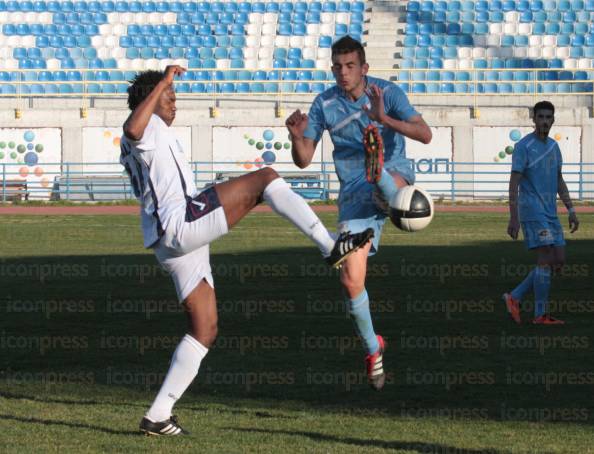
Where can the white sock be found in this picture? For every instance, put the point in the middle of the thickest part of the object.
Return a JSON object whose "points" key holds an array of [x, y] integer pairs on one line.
{"points": [[292, 207], [184, 367]]}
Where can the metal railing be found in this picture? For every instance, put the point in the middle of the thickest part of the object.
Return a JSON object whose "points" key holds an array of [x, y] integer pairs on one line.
{"points": [[446, 180], [210, 82]]}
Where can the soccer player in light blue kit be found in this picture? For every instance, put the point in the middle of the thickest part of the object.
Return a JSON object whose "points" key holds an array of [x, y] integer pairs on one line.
{"points": [[536, 172], [345, 111]]}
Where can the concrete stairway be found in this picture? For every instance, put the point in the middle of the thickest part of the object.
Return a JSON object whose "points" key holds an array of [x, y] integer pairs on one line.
{"points": [[384, 35]]}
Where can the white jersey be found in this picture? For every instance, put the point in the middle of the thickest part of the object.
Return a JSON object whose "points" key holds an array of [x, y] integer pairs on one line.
{"points": [[160, 176]]}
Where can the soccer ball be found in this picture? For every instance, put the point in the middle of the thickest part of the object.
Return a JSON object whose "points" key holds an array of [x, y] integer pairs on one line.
{"points": [[412, 209]]}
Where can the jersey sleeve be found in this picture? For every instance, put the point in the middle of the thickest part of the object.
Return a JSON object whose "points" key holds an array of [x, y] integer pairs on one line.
{"points": [[519, 158], [315, 121], [397, 103], [148, 140]]}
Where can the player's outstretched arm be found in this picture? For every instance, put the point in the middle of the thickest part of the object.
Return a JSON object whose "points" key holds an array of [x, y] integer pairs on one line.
{"points": [[414, 128], [564, 196], [138, 120], [513, 227], [302, 149]]}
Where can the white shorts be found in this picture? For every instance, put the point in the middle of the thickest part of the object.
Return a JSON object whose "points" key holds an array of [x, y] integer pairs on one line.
{"points": [[183, 250]]}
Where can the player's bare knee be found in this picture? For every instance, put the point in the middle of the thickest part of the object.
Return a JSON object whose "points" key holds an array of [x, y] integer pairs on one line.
{"points": [[352, 284], [268, 174], [206, 334]]}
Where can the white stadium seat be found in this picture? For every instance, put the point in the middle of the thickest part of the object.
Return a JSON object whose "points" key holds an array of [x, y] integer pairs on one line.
{"points": [[252, 41], [343, 18], [270, 18], [255, 18], [548, 52], [464, 52], [267, 41], [296, 41], [223, 63], [493, 40], [450, 63], [534, 52], [265, 53], [281, 41], [169, 18], [510, 29], [535, 40], [310, 41], [313, 29], [570, 63], [525, 29], [327, 18], [520, 52], [549, 40], [496, 28], [124, 63], [262, 64], [251, 64], [309, 53], [155, 18], [512, 17], [562, 52]]}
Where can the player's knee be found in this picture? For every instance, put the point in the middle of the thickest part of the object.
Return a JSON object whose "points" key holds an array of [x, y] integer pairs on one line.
{"points": [[268, 174], [207, 334], [352, 283]]}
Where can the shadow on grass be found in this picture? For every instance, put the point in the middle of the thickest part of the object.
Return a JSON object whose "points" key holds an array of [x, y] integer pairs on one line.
{"points": [[416, 446], [74, 425], [117, 318]]}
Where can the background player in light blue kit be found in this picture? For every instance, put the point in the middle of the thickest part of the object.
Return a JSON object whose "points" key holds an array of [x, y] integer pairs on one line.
{"points": [[536, 172], [345, 111]]}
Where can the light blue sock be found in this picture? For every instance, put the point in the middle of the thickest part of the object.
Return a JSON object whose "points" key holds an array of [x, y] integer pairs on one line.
{"points": [[542, 284], [387, 186], [525, 286], [359, 312]]}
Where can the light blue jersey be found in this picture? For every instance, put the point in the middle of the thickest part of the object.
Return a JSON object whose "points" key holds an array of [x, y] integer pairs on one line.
{"points": [[345, 120], [540, 164]]}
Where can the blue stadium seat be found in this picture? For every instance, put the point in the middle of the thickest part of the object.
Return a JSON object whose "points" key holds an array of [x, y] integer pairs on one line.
{"points": [[419, 88], [538, 28], [257, 87], [447, 87], [418, 76], [273, 87], [563, 40], [433, 76], [438, 41], [487, 88], [509, 5], [563, 5], [547, 88], [410, 41], [567, 28]]}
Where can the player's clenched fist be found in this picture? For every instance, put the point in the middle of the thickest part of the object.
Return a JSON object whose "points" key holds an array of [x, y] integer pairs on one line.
{"points": [[296, 123], [171, 71]]}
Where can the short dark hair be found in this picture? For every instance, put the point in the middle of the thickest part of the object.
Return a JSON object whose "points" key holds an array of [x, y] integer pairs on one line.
{"points": [[543, 105], [346, 45], [142, 85]]}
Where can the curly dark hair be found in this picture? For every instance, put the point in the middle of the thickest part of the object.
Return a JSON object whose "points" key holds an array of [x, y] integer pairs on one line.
{"points": [[346, 45], [142, 85]]}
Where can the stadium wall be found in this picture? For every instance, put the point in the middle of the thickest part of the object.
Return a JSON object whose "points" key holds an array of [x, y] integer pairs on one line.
{"points": [[466, 139]]}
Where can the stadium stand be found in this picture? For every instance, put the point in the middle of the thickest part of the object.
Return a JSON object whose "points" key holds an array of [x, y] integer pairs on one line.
{"points": [[67, 48]]}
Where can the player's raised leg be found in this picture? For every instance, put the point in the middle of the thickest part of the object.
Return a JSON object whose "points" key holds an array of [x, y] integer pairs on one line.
{"points": [[240, 195], [352, 278], [200, 307]]}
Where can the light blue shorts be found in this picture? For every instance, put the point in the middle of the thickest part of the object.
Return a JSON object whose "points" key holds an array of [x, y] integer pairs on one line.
{"points": [[359, 225], [543, 233]]}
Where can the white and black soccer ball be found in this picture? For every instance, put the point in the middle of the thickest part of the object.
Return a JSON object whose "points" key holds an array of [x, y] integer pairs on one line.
{"points": [[411, 209]]}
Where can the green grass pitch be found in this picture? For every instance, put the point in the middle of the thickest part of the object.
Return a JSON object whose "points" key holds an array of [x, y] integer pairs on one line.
{"points": [[88, 323]]}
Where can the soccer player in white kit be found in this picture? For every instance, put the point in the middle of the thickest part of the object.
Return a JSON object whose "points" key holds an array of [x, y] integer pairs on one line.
{"points": [[179, 222]]}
